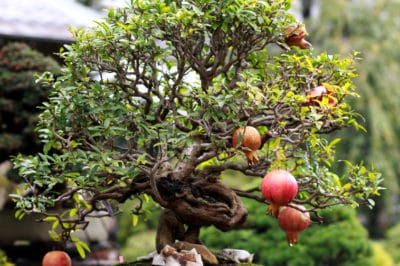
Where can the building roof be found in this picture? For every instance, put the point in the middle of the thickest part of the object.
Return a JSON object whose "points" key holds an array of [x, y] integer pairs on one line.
{"points": [[44, 19]]}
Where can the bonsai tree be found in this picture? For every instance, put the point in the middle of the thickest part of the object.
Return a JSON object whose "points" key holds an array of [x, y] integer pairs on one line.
{"points": [[147, 106]]}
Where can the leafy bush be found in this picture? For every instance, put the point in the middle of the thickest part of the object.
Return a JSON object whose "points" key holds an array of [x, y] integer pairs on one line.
{"points": [[3, 259], [19, 97], [340, 240], [392, 243], [381, 255]]}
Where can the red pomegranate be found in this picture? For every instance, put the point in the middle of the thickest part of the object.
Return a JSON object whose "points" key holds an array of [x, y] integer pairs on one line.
{"points": [[315, 95], [293, 221], [279, 188], [56, 258], [249, 139]]}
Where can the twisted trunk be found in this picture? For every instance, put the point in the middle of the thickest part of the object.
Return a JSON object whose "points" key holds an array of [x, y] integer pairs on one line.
{"points": [[203, 203]]}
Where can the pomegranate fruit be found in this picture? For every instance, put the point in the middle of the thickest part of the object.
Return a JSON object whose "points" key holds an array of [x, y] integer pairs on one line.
{"points": [[293, 221], [56, 258], [315, 96], [249, 139], [295, 37], [279, 188]]}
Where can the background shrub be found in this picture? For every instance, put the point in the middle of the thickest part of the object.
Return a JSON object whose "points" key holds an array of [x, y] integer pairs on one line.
{"points": [[20, 96], [340, 240]]}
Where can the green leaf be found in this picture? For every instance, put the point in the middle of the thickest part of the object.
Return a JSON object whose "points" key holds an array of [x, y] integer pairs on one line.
{"points": [[135, 219], [81, 246], [111, 12], [107, 123], [146, 197], [55, 224], [47, 147], [73, 212], [54, 236], [19, 214]]}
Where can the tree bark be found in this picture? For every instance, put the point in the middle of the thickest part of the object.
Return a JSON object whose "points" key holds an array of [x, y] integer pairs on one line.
{"points": [[196, 204]]}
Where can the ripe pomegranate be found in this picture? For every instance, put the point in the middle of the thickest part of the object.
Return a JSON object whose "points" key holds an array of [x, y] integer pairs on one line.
{"points": [[249, 139], [295, 37], [315, 95], [293, 221], [56, 258], [279, 188]]}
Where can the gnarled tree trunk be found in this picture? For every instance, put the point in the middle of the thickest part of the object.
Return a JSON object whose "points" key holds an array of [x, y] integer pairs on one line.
{"points": [[196, 204]]}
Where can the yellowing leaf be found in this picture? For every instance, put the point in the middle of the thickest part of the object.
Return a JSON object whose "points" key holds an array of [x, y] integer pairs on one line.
{"points": [[280, 155]]}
